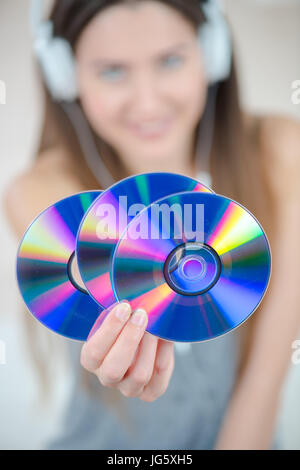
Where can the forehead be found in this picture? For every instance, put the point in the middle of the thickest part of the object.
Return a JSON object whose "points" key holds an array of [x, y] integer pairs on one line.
{"points": [[135, 29]]}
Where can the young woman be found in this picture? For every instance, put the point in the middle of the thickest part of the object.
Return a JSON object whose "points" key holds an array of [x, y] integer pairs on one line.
{"points": [[143, 89]]}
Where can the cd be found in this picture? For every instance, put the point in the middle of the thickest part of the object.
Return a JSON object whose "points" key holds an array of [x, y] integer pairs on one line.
{"points": [[198, 263], [109, 216], [45, 269]]}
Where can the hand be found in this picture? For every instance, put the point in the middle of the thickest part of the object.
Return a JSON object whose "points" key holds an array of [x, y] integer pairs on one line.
{"points": [[122, 355]]}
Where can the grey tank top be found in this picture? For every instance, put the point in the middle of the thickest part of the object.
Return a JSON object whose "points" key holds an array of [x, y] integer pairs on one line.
{"points": [[187, 416]]}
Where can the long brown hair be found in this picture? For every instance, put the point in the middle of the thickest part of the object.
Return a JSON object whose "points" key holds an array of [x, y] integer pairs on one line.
{"points": [[236, 165]]}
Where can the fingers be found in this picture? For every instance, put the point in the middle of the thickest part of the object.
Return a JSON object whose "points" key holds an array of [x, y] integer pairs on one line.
{"points": [[124, 356], [99, 344], [163, 369], [140, 372], [121, 354]]}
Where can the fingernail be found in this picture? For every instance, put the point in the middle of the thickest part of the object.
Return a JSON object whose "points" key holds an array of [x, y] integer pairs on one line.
{"points": [[123, 311], [139, 317]]}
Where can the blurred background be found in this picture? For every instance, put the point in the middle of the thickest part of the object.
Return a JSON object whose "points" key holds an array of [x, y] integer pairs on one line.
{"points": [[267, 43]]}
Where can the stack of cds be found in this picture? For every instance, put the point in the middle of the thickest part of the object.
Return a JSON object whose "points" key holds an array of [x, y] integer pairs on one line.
{"points": [[198, 263]]}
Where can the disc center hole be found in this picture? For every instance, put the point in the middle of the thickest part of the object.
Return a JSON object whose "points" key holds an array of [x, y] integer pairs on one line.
{"points": [[74, 274], [193, 267]]}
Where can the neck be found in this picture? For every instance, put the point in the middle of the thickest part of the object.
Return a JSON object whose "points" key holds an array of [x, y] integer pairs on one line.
{"points": [[169, 165], [182, 161]]}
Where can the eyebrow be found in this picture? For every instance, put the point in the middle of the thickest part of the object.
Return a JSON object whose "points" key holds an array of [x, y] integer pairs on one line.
{"points": [[117, 62]]}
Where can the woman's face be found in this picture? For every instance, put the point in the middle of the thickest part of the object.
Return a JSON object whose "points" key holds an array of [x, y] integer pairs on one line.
{"points": [[141, 80]]}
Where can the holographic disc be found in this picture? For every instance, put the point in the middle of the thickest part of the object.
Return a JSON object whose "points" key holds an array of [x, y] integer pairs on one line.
{"points": [[109, 216], [198, 272], [44, 269]]}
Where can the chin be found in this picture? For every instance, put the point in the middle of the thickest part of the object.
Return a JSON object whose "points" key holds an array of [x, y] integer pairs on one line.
{"points": [[154, 158], [155, 149]]}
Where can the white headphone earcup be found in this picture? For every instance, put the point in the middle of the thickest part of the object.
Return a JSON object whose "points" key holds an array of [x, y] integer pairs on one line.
{"points": [[57, 61], [214, 39]]}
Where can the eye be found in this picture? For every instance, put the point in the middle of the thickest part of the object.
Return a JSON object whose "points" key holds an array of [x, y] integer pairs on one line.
{"points": [[172, 61], [113, 74]]}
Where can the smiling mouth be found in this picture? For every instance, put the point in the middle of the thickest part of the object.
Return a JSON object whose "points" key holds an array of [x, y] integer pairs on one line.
{"points": [[151, 129]]}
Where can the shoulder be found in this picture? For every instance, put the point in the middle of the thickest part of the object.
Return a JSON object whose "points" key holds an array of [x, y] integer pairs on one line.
{"points": [[48, 179], [49, 163], [280, 137], [277, 135], [53, 159], [278, 145]]}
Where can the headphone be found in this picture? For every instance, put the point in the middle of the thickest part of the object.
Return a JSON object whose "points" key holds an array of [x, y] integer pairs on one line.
{"points": [[57, 62]]}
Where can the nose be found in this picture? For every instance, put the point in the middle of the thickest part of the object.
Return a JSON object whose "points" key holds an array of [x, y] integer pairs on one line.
{"points": [[146, 96]]}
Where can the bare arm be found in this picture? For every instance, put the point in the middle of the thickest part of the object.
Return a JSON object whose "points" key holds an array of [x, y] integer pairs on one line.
{"points": [[252, 412]]}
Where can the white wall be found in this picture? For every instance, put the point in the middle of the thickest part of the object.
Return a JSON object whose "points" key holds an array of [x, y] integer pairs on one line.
{"points": [[268, 47], [267, 43]]}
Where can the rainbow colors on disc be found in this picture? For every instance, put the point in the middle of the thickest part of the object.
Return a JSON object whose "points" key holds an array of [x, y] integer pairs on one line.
{"points": [[198, 273], [109, 216], [44, 269]]}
